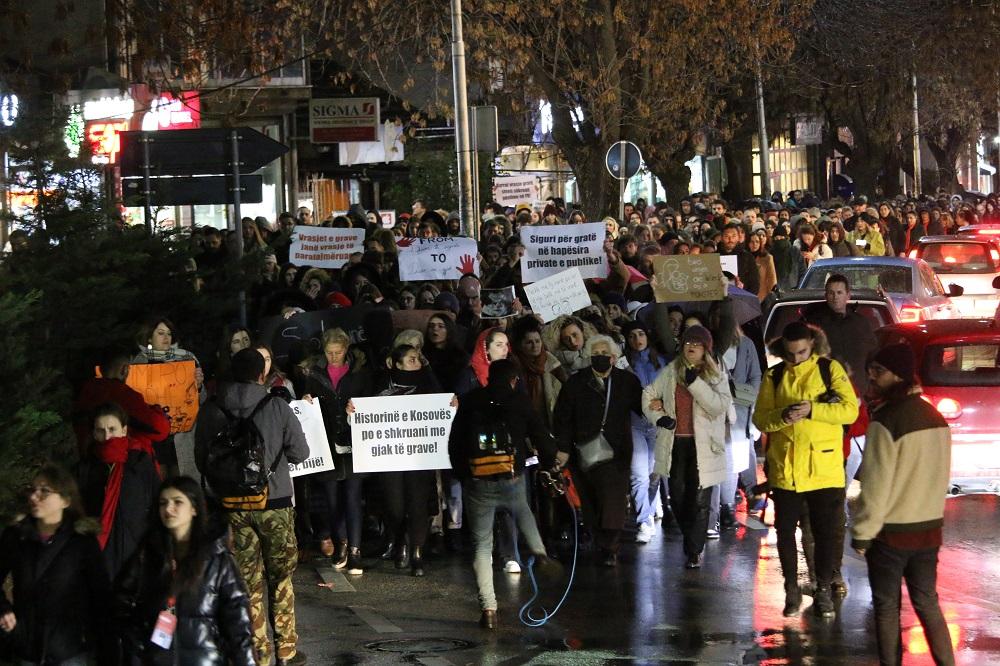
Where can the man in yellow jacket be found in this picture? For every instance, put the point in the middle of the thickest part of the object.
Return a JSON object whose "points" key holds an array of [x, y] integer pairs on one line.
{"points": [[803, 405]]}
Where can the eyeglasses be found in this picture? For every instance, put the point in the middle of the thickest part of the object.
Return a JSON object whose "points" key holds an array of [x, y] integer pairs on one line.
{"points": [[693, 345], [43, 491]]}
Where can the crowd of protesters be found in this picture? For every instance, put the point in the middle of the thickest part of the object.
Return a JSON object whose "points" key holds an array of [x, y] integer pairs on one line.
{"points": [[643, 403]]}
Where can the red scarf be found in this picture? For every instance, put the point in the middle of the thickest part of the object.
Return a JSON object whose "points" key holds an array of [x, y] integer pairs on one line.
{"points": [[114, 452]]}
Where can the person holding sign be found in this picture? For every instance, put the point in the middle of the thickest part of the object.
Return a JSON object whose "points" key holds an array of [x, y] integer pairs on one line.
{"points": [[689, 402], [488, 448], [592, 421], [407, 495], [336, 378], [181, 598]]}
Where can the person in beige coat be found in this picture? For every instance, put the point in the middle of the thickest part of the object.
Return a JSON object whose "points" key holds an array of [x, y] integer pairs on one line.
{"points": [[689, 401]]}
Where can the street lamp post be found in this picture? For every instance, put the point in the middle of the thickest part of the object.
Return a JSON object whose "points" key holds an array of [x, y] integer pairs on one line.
{"points": [[462, 143]]}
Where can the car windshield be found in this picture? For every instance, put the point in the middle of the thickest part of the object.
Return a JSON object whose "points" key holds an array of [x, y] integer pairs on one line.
{"points": [[958, 257], [895, 279], [785, 313], [961, 365]]}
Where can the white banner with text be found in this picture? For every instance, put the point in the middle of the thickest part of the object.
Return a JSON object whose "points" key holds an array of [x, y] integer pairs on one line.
{"points": [[554, 248], [401, 433]]}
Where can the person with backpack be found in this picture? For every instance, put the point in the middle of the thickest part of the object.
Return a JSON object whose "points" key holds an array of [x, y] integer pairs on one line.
{"points": [[245, 439], [488, 447], [803, 405]]}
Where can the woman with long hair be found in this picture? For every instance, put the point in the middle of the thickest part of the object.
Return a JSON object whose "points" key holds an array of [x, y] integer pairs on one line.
{"points": [[811, 245], [689, 402], [184, 575], [442, 350], [756, 244], [60, 590], [837, 240]]}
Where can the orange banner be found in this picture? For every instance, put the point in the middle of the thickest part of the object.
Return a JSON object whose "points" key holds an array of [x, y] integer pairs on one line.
{"points": [[171, 386]]}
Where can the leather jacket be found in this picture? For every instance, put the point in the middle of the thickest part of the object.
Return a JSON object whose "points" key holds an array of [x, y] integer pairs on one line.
{"points": [[213, 618]]}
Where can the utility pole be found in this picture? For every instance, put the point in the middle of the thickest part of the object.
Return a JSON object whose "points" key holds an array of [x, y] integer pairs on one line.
{"points": [[765, 147], [462, 143], [917, 187]]}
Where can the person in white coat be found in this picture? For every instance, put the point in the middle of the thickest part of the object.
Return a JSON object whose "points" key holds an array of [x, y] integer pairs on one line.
{"points": [[689, 401]]}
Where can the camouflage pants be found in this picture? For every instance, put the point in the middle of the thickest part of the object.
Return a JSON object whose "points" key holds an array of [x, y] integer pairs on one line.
{"points": [[266, 552]]}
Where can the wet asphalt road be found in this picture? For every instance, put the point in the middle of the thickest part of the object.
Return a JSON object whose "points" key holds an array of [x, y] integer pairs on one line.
{"points": [[649, 610]]}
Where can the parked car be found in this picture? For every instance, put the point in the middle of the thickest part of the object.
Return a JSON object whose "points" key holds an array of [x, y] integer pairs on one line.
{"points": [[910, 283], [877, 307], [958, 365], [970, 261]]}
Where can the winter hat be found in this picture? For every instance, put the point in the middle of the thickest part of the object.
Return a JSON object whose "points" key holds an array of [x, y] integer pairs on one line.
{"points": [[339, 299], [447, 301], [614, 299], [630, 326], [757, 226], [897, 359], [698, 334]]}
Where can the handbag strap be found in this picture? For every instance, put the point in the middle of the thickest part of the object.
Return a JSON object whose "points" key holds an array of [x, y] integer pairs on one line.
{"points": [[607, 401]]}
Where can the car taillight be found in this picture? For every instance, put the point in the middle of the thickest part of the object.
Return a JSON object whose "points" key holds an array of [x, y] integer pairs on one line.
{"points": [[996, 255], [910, 315], [913, 254], [949, 408]]}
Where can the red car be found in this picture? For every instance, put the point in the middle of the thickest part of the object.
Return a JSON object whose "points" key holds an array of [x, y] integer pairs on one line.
{"points": [[958, 365]]}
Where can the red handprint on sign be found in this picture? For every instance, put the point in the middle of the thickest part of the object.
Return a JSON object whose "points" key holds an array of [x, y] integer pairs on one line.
{"points": [[405, 242], [468, 264]]}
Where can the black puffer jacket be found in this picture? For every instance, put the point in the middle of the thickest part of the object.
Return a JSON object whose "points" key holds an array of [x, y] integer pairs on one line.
{"points": [[61, 592], [357, 383], [213, 620]]}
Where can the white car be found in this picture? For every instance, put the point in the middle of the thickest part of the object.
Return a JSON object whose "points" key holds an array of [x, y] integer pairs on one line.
{"points": [[970, 261]]}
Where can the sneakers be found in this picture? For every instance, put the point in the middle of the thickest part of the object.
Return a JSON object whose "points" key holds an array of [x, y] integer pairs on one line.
{"points": [[512, 567], [793, 601], [645, 533], [298, 659], [340, 556], [354, 567], [712, 532], [822, 603]]}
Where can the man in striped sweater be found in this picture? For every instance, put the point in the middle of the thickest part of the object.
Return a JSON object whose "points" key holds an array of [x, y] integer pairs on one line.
{"points": [[897, 526]]}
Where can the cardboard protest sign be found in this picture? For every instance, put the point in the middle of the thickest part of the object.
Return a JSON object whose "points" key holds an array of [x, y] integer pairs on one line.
{"points": [[301, 335], [172, 387], [561, 294], [325, 247], [401, 433], [512, 190], [320, 458], [445, 258], [497, 303], [687, 277], [552, 249], [415, 319]]}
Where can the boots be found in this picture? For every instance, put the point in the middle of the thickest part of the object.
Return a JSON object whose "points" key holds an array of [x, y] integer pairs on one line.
{"points": [[340, 556], [822, 602], [793, 600], [417, 561], [726, 517], [401, 556]]}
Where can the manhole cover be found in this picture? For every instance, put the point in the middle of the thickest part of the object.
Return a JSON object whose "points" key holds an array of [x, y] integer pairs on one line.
{"points": [[418, 645]]}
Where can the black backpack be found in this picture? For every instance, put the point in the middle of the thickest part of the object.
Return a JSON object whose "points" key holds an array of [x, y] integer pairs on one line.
{"points": [[778, 371], [492, 453], [236, 463]]}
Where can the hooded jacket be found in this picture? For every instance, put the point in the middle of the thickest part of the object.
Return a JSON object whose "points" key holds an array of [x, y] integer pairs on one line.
{"points": [[278, 425], [60, 591], [213, 620], [807, 455]]}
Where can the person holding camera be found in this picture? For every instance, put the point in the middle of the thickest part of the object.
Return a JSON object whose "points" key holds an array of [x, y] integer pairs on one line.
{"points": [[803, 406]]}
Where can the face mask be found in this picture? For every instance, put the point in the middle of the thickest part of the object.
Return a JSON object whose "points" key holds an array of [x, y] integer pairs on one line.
{"points": [[600, 364]]}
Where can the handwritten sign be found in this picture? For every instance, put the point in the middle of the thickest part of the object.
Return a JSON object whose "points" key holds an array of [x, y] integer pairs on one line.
{"points": [[325, 247], [693, 277], [320, 458], [449, 258], [512, 190], [301, 335], [552, 249], [401, 433], [561, 294], [172, 387]]}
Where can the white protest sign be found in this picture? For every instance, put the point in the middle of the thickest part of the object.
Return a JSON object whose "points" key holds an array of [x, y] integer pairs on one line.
{"points": [[730, 263], [552, 249], [401, 433], [512, 190], [320, 459], [560, 294], [325, 247], [448, 258]]}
